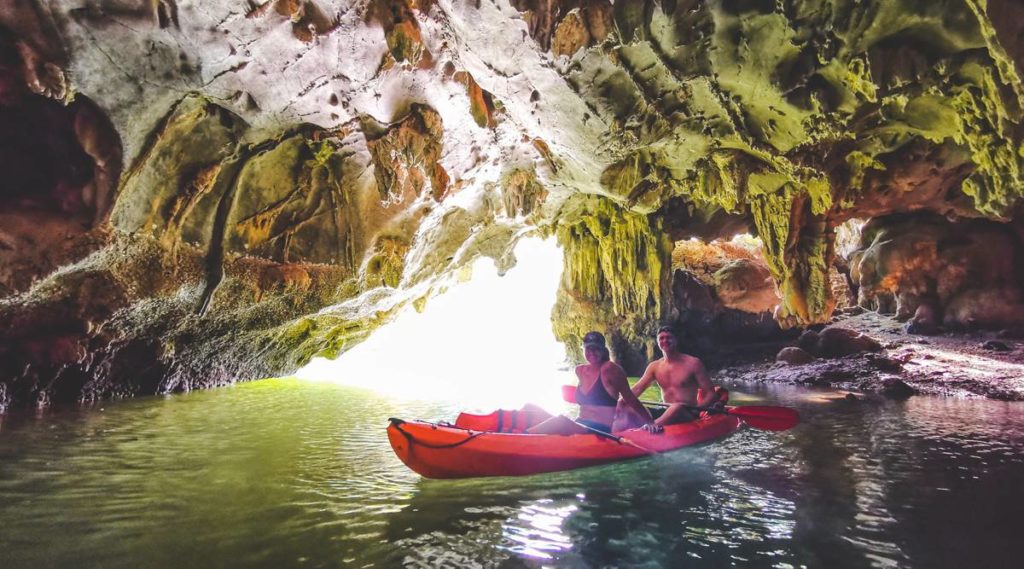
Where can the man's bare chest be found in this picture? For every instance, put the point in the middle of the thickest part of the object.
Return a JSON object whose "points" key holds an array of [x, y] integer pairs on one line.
{"points": [[675, 376]]}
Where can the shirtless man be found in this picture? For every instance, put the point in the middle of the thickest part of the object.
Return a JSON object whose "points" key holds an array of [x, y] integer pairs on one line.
{"points": [[679, 376]]}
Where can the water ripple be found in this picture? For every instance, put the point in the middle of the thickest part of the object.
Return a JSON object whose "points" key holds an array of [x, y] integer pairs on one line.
{"points": [[285, 473]]}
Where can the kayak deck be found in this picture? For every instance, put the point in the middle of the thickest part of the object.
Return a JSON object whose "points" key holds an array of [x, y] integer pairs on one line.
{"points": [[449, 451]]}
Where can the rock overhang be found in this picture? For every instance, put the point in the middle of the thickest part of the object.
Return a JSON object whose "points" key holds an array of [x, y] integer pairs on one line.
{"points": [[618, 127]]}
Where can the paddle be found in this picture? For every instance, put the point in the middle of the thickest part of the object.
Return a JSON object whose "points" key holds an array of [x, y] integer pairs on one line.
{"points": [[765, 417], [620, 440]]}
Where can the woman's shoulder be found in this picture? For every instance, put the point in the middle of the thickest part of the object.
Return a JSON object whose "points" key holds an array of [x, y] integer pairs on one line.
{"points": [[612, 367]]}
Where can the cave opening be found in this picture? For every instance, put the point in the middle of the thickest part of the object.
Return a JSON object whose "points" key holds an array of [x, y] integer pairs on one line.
{"points": [[57, 158], [60, 162], [723, 295], [486, 341]]}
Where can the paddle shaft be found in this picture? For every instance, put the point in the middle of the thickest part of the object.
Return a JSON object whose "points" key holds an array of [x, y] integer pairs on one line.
{"points": [[620, 440], [765, 417], [667, 405]]}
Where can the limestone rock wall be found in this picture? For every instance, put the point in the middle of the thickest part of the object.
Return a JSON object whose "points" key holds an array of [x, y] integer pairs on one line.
{"points": [[961, 274], [722, 294], [614, 279], [233, 168]]}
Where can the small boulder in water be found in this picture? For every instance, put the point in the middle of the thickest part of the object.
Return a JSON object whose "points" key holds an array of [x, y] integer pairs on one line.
{"points": [[925, 321], [836, 342], [794, 356], [995, 346], [896, 389], [808, 341]]}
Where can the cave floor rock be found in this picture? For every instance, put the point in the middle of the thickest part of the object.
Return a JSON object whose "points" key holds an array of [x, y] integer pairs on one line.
{"points": [[969, 364]]}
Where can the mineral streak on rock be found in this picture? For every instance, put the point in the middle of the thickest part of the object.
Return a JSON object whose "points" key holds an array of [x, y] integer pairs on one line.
{"points": [[281, 156], [522, 193], [481, 102], [407, 156]]}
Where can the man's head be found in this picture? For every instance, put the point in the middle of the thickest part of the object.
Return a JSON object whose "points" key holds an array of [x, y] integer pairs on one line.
{"points": [[667, 340], [594, 347]]}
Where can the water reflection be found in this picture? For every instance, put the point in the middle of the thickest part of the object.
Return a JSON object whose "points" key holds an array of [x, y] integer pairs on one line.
{"points": [[285, 473], [536, 531]]}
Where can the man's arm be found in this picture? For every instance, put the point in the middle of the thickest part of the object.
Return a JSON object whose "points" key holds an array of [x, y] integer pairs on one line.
{"points": [[674, 410], [707, 389], [645, 381]]}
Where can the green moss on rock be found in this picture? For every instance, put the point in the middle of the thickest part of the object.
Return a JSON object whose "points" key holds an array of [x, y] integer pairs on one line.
{"points": [[781, 112], [615, 268], [166, 181]]}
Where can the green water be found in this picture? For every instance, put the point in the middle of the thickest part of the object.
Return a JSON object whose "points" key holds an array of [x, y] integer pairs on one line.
{"points": [[284, 473]]}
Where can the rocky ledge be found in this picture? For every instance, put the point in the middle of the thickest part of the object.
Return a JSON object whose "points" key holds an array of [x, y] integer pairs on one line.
{"points": [[872, 353]]}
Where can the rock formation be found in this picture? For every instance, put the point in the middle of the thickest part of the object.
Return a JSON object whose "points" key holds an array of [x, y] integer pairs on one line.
{"points": [[188, 186], [964, 274]]}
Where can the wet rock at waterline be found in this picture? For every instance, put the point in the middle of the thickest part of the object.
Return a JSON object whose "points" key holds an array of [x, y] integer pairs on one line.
{"points": [[191, 209], [947, 364], [896, 389], [794, 356], [996, 346], [837, 342]]}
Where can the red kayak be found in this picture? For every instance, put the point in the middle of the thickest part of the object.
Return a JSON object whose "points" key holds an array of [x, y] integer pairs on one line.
{"points": [[495, 445]]}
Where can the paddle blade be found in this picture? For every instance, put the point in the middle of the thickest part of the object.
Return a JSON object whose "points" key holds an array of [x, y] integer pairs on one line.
{"points": [[569, 393], [767, 417]]}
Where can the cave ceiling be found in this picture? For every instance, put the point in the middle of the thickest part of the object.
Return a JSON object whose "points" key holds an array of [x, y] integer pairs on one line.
{"points": [[491, 119]]}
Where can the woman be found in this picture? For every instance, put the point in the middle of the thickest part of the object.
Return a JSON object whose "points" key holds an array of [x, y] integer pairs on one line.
{"points": [[601, 383]]}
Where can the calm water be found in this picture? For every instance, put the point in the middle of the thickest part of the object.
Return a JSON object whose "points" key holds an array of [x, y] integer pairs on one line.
{"points": [[287, 473]]}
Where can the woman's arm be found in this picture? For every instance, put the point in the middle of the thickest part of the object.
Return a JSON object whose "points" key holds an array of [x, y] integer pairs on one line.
{"points": [[618, 383]]}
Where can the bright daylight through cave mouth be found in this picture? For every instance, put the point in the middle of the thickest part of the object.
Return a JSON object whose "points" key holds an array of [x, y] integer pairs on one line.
{"points": [[484, 343], [511, 283]]}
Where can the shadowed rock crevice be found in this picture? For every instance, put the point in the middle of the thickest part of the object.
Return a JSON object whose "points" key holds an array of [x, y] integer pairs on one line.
{"points": [[934, 272], [60, 162]]}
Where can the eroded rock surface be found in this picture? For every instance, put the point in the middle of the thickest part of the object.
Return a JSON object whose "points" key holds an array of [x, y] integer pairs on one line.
{"points": [[722, 294], [922, 267], [233, 168]]}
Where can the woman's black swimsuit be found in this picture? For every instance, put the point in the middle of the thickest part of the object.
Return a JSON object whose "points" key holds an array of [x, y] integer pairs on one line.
{"points": [[598, 396]]}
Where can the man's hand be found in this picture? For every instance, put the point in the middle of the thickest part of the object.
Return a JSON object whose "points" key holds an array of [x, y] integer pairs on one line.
{"points": [[653, 428]]}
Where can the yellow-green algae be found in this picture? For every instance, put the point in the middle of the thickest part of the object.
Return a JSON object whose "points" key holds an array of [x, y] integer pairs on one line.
{"points": [[615, 272], [521, 193], [385, 266], [781, 111]]}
